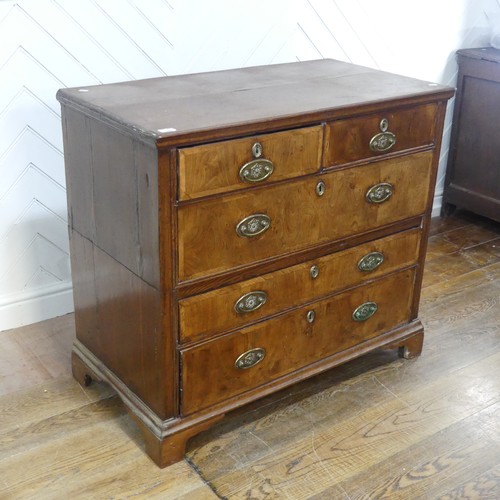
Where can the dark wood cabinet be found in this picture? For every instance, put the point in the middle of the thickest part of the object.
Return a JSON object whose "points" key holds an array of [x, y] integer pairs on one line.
{"points": [[235, 232], [473, 174]]}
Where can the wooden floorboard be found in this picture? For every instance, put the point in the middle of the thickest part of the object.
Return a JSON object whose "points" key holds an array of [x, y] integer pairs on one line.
{"points": [[377, 427]]}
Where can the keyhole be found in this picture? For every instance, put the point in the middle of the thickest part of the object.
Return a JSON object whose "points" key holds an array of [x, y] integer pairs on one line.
{"points": [[314, 272], [257, 150], [320, 188], [311, 315]]}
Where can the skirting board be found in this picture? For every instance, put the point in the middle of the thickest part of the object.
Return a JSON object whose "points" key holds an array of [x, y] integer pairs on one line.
{"points": [[437, 204], [32, 306]]}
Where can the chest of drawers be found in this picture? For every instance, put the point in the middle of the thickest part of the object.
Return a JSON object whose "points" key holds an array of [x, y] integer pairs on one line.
{"points": [[235, 232]]}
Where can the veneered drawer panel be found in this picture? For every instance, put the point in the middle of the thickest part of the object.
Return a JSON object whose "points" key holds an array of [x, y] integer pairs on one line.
{"points": [[214, 312], [291, 342], [299, 218], [215, 168], [349, 140]]}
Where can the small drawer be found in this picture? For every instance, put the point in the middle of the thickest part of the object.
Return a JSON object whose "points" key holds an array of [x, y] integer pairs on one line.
{"points": [[216, 235], [229, 165], [365, 137], [228, 366], [234, 306]]}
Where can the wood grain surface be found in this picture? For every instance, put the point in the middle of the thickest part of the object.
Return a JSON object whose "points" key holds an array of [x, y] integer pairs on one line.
{"points": [[214, 168], [209, 244], [200, 105], [376, 427], [291, 342], [206, 314], [349, 140]]}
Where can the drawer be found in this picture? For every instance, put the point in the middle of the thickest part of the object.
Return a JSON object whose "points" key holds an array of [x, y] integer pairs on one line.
{"points": [[204, 315], [296, 216], [369, 136], [292, 341], [235, 164]]}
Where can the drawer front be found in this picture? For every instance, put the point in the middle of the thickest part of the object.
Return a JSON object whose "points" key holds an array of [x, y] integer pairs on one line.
{"points": [[240, 163], [279, 346], [366, 137], [234, 306], [292, 216]]}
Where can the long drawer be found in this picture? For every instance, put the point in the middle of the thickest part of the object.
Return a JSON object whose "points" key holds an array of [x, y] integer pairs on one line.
{"points": [[207, 314], [222, 233], [266, 351]]}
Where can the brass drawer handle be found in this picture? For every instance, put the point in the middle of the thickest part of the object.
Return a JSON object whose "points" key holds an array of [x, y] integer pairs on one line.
{"points": [[250, 302], [250, 358], [384, 140], [258, 169], [370, 261], [364, 311], [253, 225], [379, 193]]}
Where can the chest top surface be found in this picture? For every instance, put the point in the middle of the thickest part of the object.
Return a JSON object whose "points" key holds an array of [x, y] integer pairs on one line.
{"points": [[179, 108]]}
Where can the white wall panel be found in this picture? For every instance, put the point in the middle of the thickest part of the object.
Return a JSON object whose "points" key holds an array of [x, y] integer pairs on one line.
{"points": [[48, 44], [20, 30], [20, 155], [345, 27]]}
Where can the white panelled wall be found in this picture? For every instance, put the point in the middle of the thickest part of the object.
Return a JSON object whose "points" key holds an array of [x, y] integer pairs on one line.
{"points": [[49, 44]]}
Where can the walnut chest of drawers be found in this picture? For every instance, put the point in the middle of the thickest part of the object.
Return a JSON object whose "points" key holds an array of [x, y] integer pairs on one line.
{"points": [[238, 231]]}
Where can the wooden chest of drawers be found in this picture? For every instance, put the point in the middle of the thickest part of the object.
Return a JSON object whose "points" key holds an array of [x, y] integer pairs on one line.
{"points": [[235, 232]]}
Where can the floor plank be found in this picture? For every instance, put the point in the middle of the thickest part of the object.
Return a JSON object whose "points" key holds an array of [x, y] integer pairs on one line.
{"points": [[427, 468], [334, 449], [42, 401], [101, 461]]}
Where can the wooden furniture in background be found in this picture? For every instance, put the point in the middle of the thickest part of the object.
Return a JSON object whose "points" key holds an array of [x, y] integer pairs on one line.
{"points": [[235, 232], [473, 174]]}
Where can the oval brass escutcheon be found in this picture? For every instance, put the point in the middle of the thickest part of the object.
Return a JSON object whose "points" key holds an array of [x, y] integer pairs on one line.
{"points": [[314, 272], [379, 193], [250, 358], [310, 316], [383, 141], [320, 188], [251, 301], [370, 261], [253, 225], [256, 170], [364, 311]]}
